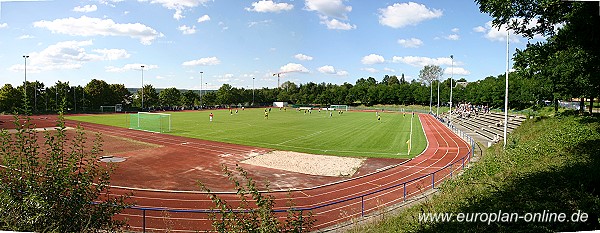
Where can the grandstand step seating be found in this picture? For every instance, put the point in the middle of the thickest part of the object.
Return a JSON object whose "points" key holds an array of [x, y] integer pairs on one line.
{"points": [[486, 127]]}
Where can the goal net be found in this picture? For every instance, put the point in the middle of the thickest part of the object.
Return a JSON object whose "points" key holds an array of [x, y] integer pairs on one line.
{"points": [[112, 108], [153, 122], [339, 107]]}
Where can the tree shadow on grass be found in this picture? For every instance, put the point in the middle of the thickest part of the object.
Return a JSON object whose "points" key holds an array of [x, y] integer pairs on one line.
{"points": [[568, 189]]}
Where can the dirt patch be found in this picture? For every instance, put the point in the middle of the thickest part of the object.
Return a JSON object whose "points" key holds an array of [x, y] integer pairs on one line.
{"points": [[320, 165]]}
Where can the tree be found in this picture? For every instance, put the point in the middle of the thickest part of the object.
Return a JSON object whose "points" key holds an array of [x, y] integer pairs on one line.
{"points": [[573, 42], [150, 97], [428, 74], [224, 95], [170, 97], [120, 94], [98, 93], [9, 98], [56, 186], [190, 98]]}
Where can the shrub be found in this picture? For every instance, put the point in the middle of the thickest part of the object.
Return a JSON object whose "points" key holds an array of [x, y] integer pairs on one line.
{"points": [[59, 186], [256, 216]]}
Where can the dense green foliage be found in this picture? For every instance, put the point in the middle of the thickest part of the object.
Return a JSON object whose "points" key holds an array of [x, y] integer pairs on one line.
{"points": [[55, 186], [346, 134], [567, 64], [549, 165], [255, 215], [391, 90]]}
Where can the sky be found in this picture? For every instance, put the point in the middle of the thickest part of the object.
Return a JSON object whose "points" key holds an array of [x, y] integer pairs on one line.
{"points": [[186, 43]]}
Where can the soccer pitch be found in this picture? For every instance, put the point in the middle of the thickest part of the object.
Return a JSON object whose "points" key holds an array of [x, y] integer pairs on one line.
{"points": [[356, 134]]}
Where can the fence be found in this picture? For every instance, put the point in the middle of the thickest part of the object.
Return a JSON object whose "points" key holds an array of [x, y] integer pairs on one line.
{"points": [[329, 213]]}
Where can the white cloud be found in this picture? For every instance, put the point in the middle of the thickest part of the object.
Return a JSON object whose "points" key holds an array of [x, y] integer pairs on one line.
{"points": [[3, 25], [187, 30], [254, 23], [203, 18], [423, 61], [370, 70], [206, 61], [389, 69], [452, 37], [112, 54], [479, 29], [86, 26], [270, 6], [25, 37], [495, 34], [331, 70], [68, 55], [130, 67], [404, 14], [372, 59], [455, 30], [178, 5], [336, 24], [330, 11], [293, 67], [329, 8], [85, 9], [410, 43], [456, 71], [303, 57]]}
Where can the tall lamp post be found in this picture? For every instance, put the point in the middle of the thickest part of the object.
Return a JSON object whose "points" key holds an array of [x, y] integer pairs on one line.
{"points": [[451, 87], [506, 90], [25, 85], [142, 88], [201, 72], [252, 91], [437, 111]]}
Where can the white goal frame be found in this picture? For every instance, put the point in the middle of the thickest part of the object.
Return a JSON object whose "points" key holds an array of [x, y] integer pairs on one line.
{"points": [[168, 127], [339, 107], [114, 107]]}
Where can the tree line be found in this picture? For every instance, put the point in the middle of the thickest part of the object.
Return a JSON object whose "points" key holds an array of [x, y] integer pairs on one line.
{"points": [[523, 93]]}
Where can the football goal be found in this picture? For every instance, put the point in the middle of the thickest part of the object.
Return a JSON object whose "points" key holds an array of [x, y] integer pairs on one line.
{"points": [[339, 107], [153, 122], [112, 108]]}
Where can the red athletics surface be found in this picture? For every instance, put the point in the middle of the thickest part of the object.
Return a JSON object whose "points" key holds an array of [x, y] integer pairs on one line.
{"points": [[175, 163]]}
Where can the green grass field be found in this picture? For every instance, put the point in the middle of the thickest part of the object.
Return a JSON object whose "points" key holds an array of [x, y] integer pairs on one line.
{"points": [[356, 134]]}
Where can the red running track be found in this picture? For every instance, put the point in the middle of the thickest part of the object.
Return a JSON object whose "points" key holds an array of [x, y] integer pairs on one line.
{"points": [[177, 211]]}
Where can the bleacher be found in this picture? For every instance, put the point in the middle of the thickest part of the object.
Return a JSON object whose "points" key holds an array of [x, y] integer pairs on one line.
{"points": [[488, 128]]}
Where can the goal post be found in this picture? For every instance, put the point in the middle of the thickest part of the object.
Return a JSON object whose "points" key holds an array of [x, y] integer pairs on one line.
{"points": [[153, 122], [339, 107], [110, 108]]}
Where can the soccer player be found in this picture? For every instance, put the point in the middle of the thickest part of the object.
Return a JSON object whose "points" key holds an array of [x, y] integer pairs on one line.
{"points": [[379, 118], [210, 116], [266, 115]]}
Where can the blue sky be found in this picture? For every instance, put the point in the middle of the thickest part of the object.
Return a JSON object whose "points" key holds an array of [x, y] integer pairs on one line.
{"points": [[332, 41]]}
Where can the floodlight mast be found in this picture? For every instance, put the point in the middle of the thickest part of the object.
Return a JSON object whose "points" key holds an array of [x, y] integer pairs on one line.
{"points": [[278, 74]]}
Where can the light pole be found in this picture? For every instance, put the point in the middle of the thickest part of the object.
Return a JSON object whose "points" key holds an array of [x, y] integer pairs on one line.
{"points": [[451, 87], [142, 88], [437, 111], [430, 95], [25, 85], [506, 91], [201, 72], [35, 97], [253, 92]]}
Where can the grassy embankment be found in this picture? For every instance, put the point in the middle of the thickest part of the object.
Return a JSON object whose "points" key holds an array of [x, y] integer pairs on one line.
{"points": [[550, 165]]}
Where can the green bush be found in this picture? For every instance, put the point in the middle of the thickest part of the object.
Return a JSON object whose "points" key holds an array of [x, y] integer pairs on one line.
{"points": [[256, 215], [57, 186]]}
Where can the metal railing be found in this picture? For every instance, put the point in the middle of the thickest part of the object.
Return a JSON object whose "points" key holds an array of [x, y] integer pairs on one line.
{"points": [[366, 199]]}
